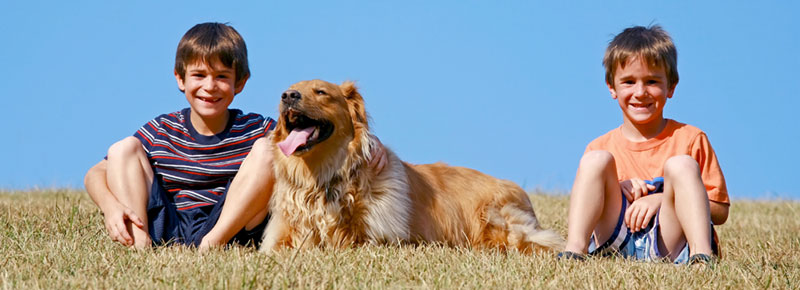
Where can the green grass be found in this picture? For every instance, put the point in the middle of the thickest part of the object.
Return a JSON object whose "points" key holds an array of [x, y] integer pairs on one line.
{"points": [[56, 239]]}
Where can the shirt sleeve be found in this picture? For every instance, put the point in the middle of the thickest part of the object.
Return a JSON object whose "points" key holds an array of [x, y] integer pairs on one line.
{"points": [[269, 125], [710, 170], [146, 134]]}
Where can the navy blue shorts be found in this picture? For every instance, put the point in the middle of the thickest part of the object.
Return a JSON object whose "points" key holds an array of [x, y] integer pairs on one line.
{"points": [[167, 226]]}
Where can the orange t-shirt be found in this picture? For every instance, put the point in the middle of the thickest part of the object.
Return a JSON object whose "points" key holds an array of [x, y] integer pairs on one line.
{"points": [[645, 160]]}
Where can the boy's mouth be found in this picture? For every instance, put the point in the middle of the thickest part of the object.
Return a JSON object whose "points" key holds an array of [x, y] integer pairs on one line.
{"points": [[210, 100]]}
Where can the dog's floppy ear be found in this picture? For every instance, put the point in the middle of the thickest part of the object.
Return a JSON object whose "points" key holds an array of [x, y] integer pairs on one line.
{"points": [[355, 103]]}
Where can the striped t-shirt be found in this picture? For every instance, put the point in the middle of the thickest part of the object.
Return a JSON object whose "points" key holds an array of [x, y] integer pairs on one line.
{"points": [[195, 169]]}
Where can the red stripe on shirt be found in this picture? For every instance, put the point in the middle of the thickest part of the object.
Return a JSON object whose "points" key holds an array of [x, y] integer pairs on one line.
{"points": [[176, 130], [245, 127], [193, 206], [220, 146]]}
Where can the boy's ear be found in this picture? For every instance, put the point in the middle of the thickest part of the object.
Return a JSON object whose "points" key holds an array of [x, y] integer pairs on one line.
{"points": [[239, 86], [612, 91], [671, 90], [179, 79]]}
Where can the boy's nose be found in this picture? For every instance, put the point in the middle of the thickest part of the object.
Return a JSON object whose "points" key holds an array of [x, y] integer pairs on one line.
{"points": [[290, 97], [639, 91], [209, 84]]}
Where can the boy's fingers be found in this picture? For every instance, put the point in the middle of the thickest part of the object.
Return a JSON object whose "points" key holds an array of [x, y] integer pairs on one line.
{"points": [[111, 229], [375, 156], [644, 220], [628, 217], [123, 232], [378, 153], [640, 188], [112, 234], [635, 219], [640, 220], [120, 233], [648, 216], [115, 236], [382, 163], [134, 218], [627, 195]]}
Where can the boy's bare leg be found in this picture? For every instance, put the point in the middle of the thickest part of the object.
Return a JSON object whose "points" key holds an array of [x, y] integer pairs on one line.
{"points": [[595, 201], [247, 198], [130, 178], [684, 215]]}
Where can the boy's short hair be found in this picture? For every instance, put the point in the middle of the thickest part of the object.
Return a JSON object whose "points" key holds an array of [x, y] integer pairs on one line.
{"points": [[211, 41], [652, 43]]}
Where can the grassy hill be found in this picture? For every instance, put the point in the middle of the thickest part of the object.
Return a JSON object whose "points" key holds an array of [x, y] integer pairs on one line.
{"points": [[56, 239]]}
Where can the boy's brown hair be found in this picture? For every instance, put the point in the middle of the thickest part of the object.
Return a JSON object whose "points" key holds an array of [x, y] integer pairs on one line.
{"points": [[213, 41], [652, 43]]}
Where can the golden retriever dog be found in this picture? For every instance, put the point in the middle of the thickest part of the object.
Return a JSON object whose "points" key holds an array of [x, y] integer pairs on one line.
{"points": [[327, 195]]}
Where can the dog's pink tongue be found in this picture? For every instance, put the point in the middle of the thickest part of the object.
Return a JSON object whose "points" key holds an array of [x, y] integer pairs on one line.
{"points": [[296, 138]]}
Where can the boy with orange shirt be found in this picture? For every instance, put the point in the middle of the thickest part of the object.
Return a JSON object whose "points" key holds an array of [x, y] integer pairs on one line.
{"points": [[651, 188]]}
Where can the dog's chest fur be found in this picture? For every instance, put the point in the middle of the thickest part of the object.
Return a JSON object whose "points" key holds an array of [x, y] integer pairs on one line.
{"points": [[355, 209]]}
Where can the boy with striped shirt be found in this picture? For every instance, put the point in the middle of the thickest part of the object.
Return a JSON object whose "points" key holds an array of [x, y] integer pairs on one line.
{"points": [[173, 181]]}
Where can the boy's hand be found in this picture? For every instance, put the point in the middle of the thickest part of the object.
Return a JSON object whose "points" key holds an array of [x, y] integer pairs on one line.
{"points": [[378, 154], [635, 188], [117, 218], [639, 213]]}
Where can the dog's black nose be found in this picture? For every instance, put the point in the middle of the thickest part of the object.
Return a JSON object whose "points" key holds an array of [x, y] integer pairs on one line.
{"points": [[290, 96]]}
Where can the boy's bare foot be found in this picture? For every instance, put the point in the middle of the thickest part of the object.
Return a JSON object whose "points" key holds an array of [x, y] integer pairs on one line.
{"points": [[208, 243]]}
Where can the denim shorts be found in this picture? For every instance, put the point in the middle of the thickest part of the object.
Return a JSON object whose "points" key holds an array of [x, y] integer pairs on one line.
{"points": [[169, 227], [641, 245]]}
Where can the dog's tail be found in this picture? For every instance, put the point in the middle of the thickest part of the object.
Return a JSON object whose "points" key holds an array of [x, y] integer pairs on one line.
{"points": [[544, 239], [524, 232]]}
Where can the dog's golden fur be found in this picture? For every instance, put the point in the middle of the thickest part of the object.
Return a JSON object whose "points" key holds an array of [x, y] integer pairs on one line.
{"points": [[328, 195]]}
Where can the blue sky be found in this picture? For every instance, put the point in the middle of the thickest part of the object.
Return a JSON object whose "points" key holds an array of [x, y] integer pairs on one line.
{"points": [[512, 88]]}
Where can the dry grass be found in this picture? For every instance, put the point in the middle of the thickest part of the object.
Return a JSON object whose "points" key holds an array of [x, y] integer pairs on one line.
{"points": [[55, 239]]}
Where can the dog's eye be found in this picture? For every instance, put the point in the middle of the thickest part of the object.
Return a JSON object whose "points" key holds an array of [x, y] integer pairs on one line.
{"points": [[320, 92]]}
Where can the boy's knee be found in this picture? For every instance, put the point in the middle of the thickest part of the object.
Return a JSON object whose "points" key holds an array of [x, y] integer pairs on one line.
{"points": [[681, 165], [596, 161], [126, 148]]}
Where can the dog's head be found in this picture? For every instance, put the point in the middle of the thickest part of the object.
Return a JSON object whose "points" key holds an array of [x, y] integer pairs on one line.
{"points": [[322, 124]]}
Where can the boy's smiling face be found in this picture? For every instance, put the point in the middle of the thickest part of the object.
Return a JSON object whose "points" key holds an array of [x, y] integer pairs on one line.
{"points": [[209, 89], [642, 91]]}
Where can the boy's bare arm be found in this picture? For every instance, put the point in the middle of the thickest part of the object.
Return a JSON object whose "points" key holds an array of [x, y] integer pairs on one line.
{"points": [[249, 194], [115, 214], [719, 212], [378, 154], [97, 187]]}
